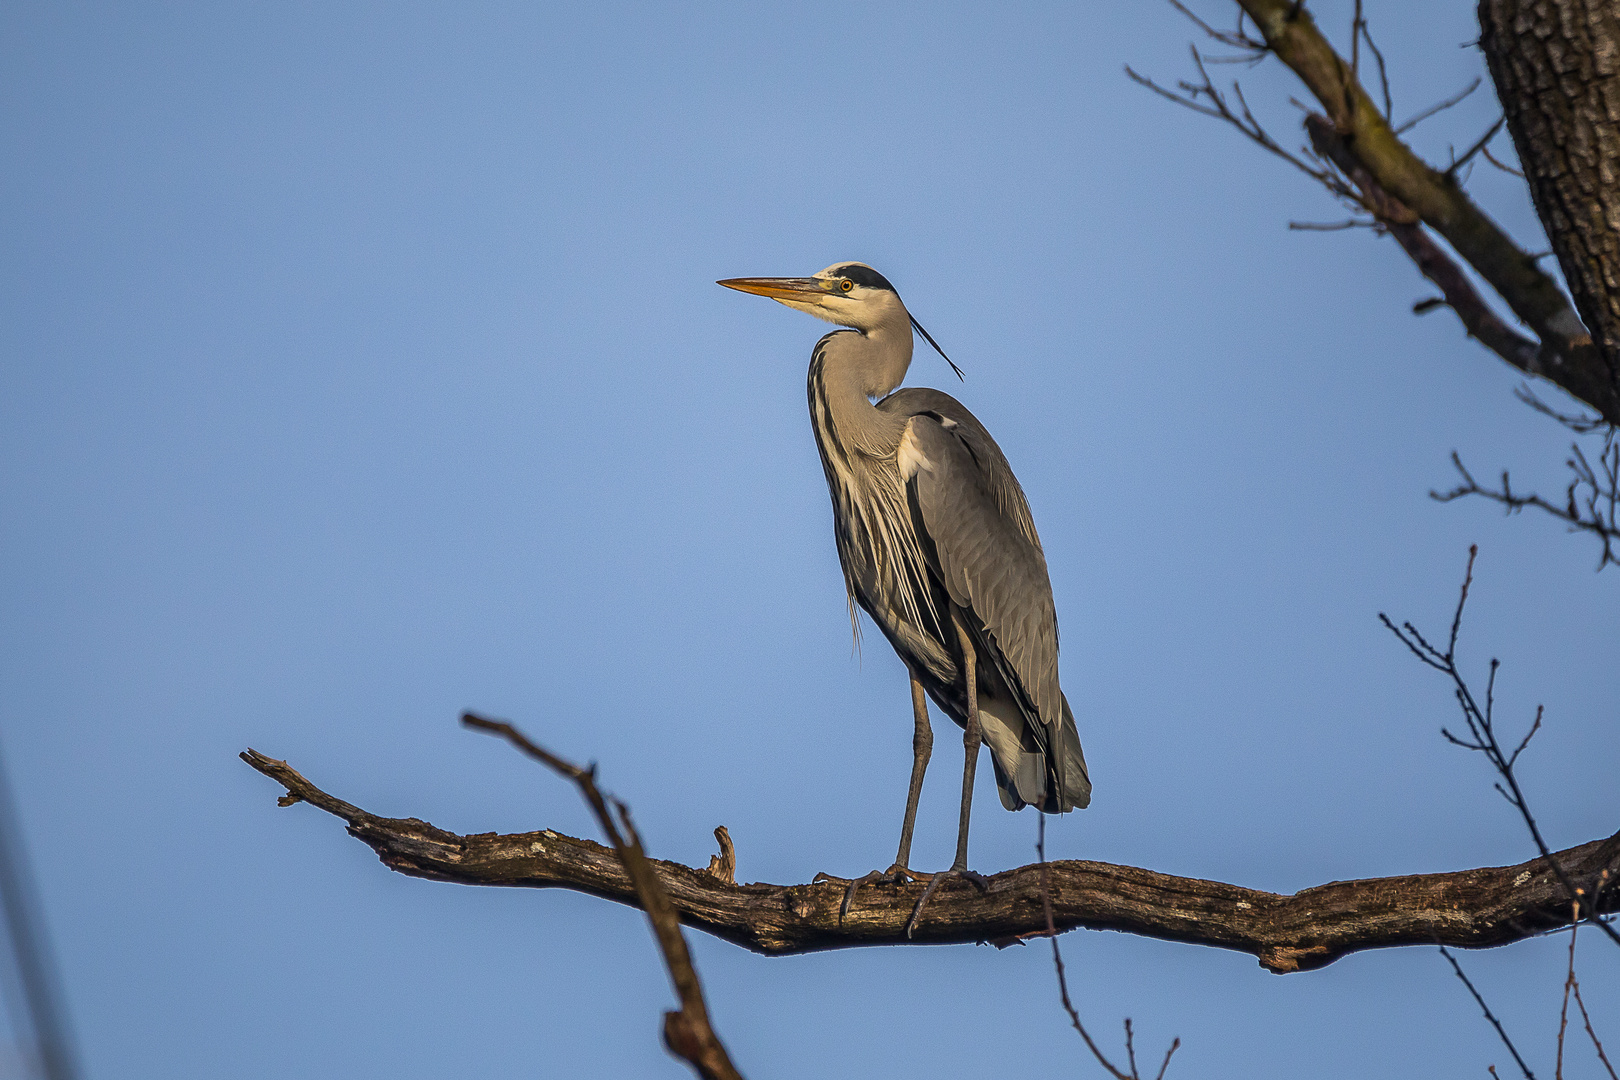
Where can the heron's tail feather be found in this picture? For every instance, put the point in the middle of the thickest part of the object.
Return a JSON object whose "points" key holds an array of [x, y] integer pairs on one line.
{"points": [[1024, 776], [1075, 784]]}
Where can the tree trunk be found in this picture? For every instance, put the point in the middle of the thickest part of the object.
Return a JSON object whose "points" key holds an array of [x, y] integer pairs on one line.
{"points": [[1556, 65]]}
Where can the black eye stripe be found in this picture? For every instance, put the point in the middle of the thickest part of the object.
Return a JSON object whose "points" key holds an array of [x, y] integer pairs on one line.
{"points": [[864, 275]]}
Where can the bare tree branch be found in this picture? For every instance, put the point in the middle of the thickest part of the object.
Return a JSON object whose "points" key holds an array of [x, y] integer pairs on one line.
{"points": [[1063, 984], [1482, 737], [1597, 1044], [1510, 170], [1236, 39], [1383, 72], [687, 1031], [1193, 96], [1591, 501], [1495, 1023], [1490, 133], [1432, 260], [1565, 353], [1310, 929], [1572, 985], [1439, 107], [1569, 981], [1569, 357]]}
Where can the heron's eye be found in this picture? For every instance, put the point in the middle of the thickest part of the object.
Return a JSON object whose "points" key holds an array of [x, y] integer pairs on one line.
{"points": [[846, 284]]}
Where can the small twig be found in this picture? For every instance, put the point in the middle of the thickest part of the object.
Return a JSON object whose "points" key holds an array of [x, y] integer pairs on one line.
{"points": [[1483, 738], [1462, 602], [1193, 96], [687, 1031], [1579, 424], [1497, 1024], [1591, 501], [1236, 39], [1063, 983], [1563, 1009], [1383, 73], [1441, 107], [1451, 172], [1486, 151], [1336, 226], [1596, 1044], [1357, 25]]}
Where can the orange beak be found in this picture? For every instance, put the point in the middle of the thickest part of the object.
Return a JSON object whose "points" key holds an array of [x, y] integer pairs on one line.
{"points": [[781, 288]]}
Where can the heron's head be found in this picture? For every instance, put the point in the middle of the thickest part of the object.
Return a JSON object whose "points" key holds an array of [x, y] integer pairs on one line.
{"points": [[847, 293]]}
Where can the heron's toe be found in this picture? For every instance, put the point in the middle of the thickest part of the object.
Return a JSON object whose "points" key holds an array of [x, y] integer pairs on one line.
{"points": [[933, 880]]}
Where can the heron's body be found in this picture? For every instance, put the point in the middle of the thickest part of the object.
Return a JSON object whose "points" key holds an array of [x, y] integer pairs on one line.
{"points": [[903, 546], [937, 545]]}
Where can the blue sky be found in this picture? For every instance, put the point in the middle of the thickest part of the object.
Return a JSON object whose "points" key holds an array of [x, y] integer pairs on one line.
{"points": [[364, 364]]}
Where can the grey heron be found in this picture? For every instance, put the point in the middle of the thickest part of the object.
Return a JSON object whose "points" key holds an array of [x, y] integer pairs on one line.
{"points": [[937, 545]]}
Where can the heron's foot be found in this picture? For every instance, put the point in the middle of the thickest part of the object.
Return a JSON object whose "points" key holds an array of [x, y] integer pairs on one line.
{"points": [[894, 875], [933, 883]]}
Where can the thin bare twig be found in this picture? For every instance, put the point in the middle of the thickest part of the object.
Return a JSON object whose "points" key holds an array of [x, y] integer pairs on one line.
{"points": [[1596, 1044], [1572, 985], [1336, 226], [1591, 501], [1236, 39], [1569, 982], [687, 1031], [1063, 984], [1486, 151], [1482, 736], [1383, 73], [1495, 1023], [1441, 107], [1451, 171], [1580, 424], [1193, 96], [1357, 24]]}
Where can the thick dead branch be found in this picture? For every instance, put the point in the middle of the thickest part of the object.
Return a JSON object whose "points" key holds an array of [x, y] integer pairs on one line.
{"points": [[1309, 929]]}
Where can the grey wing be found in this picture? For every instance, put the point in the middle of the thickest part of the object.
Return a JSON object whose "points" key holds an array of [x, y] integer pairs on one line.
{"points": [[987, 563], [998, 475]]}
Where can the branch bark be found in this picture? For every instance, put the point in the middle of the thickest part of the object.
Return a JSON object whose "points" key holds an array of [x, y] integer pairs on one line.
{"points": [[1567, 356], [1556, 65], [1309, 929]]}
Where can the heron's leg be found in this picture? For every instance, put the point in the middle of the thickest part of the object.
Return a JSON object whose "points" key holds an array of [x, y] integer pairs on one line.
{"points": [[922, 747], [971, 740]]}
